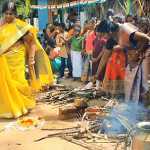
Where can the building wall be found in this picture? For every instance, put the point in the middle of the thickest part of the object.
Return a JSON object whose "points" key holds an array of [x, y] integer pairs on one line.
{"points": [[42, 14]]}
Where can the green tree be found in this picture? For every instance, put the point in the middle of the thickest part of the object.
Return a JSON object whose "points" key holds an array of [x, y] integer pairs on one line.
{"points": [[23, 8]]}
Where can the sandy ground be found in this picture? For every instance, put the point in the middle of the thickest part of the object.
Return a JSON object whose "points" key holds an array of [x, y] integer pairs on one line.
{"points": [[15, 139]]}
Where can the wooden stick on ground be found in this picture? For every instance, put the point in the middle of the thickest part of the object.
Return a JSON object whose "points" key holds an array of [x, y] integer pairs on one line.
{"points": [[57, 134], [80, 143]]}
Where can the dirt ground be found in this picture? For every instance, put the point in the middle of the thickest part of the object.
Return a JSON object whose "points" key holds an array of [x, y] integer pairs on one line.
{"points": [[15, 139]]}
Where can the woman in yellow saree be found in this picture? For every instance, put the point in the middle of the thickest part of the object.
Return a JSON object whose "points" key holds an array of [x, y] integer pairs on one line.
{"points": [[18, 47]]}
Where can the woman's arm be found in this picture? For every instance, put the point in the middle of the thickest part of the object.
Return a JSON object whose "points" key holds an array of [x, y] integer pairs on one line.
{"points": [[103, 62], [30, 43], [98, 57]]}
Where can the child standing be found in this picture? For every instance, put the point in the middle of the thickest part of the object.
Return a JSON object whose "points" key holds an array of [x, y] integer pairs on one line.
{"points": [[88, 50], [61, 44], [76, 49]]}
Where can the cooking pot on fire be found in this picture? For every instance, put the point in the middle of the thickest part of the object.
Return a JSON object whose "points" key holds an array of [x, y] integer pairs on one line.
{"points": [[144, 127], [141, 138]]}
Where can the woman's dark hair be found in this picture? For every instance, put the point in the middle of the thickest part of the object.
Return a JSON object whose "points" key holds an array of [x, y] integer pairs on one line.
{"points": [[110, 12], [114, 27], [77, 28], [9, 5], [51, 27], [103, 27]]}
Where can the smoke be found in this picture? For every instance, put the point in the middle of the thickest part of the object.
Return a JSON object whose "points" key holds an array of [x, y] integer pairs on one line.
{"points": [[124, 118]]}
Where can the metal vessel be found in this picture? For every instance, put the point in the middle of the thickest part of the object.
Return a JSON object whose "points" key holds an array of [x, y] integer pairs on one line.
{"points": [[141, 139]]}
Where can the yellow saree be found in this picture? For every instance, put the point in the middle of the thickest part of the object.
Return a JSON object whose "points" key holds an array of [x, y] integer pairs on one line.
{"points": [[16, 97]]}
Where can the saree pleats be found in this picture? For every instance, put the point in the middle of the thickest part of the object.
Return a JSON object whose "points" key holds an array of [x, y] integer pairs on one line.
{"points": [[43, 67], [15, 93], [135, 83]]}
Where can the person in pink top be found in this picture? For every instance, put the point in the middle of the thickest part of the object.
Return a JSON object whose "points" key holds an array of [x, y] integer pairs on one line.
{"points": [[90, 36]]}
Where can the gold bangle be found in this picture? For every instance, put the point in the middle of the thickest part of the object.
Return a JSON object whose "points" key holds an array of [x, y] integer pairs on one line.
{"points": [[31, 57]]}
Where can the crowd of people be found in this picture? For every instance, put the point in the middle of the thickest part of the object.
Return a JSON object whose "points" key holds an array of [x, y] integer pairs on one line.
{"points": [[111, 54]]}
